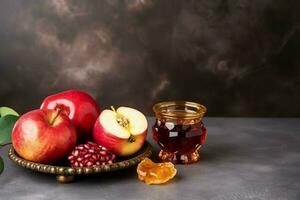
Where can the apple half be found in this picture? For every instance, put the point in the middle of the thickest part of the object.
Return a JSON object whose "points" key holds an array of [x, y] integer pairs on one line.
{"points": [[122, 131]]}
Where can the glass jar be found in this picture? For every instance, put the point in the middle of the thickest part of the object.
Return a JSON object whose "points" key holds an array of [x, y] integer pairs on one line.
{"points": [[179, 131]]}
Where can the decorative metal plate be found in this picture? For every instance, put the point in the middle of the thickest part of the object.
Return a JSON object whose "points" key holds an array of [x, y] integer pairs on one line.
{"points": [[66, 174]]}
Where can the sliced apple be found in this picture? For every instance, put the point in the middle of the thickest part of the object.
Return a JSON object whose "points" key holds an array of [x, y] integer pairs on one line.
{"points": [[122, 131], [109, 118], [137, 120]]}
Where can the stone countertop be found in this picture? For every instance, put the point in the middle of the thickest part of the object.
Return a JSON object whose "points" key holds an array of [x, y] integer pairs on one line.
{"points": [[243, 158]]}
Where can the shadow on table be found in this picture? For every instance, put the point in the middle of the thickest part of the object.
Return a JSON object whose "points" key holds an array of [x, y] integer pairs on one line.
{"points": [[217, 152], [104, 178]]}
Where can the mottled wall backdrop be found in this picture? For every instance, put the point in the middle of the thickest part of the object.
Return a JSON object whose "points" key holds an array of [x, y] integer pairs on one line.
{"points": [[238, 57]]}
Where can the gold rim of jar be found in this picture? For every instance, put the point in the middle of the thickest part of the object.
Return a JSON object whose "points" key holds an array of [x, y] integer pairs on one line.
{"points": [[173, 111]]}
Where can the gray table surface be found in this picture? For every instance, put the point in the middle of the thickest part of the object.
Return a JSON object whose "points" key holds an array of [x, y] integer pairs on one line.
{"points": [[244, 158]]}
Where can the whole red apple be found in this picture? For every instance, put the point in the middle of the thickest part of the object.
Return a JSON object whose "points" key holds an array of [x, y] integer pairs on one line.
{"points": [[80, 107], [122, 131], [44, 136]]}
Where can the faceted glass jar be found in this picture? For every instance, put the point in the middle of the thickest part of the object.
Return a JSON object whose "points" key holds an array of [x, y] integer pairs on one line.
{"points": [[179, 131]]}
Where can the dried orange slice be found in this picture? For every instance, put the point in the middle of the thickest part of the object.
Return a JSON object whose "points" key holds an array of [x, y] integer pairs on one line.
{"points": [[155, 173]]}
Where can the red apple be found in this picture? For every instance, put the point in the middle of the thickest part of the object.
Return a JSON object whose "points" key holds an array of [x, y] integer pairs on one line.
{"points": [[44, 136], [123, 131], [80, 107]]}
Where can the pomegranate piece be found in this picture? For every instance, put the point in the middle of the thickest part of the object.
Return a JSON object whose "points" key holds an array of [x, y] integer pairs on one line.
{"points": [[90, 155]]}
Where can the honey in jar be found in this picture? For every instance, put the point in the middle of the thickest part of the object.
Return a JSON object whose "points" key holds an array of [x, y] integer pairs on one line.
{"points": [[179, 131]]}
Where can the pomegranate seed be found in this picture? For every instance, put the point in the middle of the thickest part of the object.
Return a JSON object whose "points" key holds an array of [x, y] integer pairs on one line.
{"points": [[84, 161], [76, 152], [80, 148], [91, 151], [95, 157], [91, 143], [87, 155], [90, 154], [97, 149]]}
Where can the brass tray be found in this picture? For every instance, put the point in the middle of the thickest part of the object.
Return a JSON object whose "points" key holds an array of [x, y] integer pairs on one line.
{"points": [[65, 174]]}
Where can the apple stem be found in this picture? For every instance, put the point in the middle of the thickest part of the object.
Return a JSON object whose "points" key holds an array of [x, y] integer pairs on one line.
{"points": [[58, 111], [113, 109]]}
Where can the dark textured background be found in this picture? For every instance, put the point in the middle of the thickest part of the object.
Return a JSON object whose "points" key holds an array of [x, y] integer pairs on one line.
{"points": [[238, 57]]}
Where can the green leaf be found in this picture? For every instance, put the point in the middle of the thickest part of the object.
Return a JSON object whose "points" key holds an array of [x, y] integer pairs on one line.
{"points": [[1, 165], [6, 125], [7, 111], [8, 118]]}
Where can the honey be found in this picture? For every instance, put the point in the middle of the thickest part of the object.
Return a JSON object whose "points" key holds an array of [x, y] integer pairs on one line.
{"points": [[155, 173], [183, 140], [179, 131]]}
